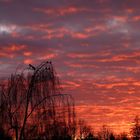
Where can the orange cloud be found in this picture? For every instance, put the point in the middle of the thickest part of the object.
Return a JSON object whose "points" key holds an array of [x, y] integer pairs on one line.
{"points": [[121, 19], [96, 29], [14, 48], [61, 11], [80, 55], [88, 55], [48, 56], [4, 54], [70, 85], [10, 51], [78, 65], [28, 61], [133, 56], [27, 53], [136, 18], [130, 10]]}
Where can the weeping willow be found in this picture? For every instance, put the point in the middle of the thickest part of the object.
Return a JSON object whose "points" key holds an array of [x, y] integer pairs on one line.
{"points": [[33, 107]]}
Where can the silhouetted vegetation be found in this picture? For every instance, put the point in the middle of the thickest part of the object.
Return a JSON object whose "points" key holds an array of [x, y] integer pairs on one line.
{"points": [[3, 135], [84, 131], [135, 131], [32, 107]]}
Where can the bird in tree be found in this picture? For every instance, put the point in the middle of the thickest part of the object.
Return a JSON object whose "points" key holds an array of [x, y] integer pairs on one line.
{"points": [[32, 67]]}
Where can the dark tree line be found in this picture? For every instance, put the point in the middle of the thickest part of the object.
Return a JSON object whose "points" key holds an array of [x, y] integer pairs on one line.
{"points": [[105, 133], [32, 107]]}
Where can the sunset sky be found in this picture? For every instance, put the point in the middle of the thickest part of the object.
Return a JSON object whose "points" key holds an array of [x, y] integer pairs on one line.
{"points": [[93, 44]]}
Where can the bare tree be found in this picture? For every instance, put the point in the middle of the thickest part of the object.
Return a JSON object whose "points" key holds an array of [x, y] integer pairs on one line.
{"points": [[135, 130], [105, 133], [122, 136], [84, 130], [31, 103]]}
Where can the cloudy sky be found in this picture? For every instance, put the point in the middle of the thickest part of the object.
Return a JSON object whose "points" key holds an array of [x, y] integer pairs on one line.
{"points": [[93, 44]]}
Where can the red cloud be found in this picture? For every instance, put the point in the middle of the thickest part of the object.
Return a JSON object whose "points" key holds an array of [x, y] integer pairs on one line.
{"points": [[11, 50], [15, 48], [28, 61], [27, 53], [61, 11], [136, 18]]}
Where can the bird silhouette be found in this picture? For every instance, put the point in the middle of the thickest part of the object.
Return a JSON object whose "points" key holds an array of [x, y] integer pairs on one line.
{"points": [[31, 66]]}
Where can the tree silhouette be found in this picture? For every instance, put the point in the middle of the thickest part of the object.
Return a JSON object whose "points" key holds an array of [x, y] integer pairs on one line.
{"points": [[32, 106], [105, 133], [90, 137], [135, 130], [123, 136], [3, 135], [84, 130]]}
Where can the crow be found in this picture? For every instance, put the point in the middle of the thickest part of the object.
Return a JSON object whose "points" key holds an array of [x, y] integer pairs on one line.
{"points": [[31, 66]]}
